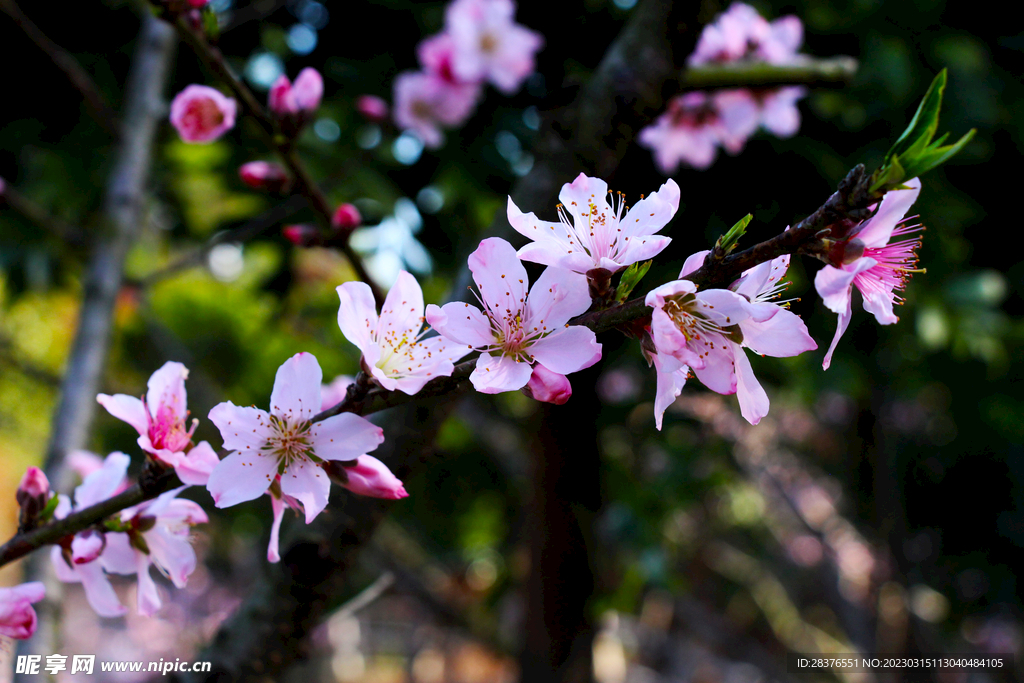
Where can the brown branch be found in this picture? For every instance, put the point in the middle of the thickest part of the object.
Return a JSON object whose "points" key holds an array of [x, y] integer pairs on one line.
{"points": [[304, 183], [62, 59]]}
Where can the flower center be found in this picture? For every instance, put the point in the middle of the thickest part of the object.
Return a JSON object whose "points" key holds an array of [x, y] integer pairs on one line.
{"points": [[167, 430], [203, 114], [896, 262], [289, 442], [401, 354]]}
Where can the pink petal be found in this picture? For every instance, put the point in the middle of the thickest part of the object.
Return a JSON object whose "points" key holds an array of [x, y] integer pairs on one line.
{"points": [[556, 297], [149, 596], [693, 262], [241, 477], [500, 276], [567, 350], [653, 212], [841, 325], [834, 285], [642, 249], [98, 591], [273, 549], [86, 546], [102, 483], [307, 483], [753, 400], [243, 429], [344, 437], [357, 316], [194, 468], [402, 313], [172, 553], [119, 555], [296, 395], [126, 408], [551, 241], [719, 372], [495, 374], [878, 301], [167, 388], [780, 115], [670, 385], [726, 308], [781, 336], [461, 323], [895, 205]]}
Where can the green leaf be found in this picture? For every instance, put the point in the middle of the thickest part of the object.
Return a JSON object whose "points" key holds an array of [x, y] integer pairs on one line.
{"points": [[630, 279], [936, 156], [925, 121], [47, 512], [727, 242], [888, 176]]}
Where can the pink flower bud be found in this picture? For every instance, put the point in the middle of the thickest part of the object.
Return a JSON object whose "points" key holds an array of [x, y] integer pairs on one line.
{"points": [[280, 100], [34, 483], [371, 477], [548, 386], [308, 90], [372, 108], [202, 114], [198, 4], [263, 175], [17, 618], [302, 235], [87, 545], [33, 494], [287, 100], [346, 218]]}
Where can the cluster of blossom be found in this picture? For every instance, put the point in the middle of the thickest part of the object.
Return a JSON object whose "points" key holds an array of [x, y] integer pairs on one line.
{"points": [[481, 43], [525, 342], [695, 124]]}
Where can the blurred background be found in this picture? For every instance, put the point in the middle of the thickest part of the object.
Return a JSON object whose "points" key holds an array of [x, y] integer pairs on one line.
{"points": [[877, 508]]}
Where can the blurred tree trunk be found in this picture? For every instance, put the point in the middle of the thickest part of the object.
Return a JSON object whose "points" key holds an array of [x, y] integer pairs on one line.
{"points": [[565, 495]]}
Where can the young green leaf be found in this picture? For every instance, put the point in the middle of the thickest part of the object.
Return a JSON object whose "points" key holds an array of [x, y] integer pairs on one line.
{"points": [[727, 242], [630, 279]]}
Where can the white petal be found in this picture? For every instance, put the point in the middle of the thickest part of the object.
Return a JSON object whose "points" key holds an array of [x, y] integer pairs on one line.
{"points": [[243, 429], [495, 374], [102, 483], [126, 408], [344, 437], [167, 388], [357, 315]]}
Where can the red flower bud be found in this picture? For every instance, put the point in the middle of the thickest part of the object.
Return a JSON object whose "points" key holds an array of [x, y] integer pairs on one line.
{"points": [[373, 108], [33, 494], [302, 235], [263, 175], [346, 218]]}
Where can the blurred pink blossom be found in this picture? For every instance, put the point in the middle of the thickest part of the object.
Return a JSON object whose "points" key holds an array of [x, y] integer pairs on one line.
{"points": [[301, 98], [202, 114], [740, 33], [17, 618], [426, 102], [489, 45]]}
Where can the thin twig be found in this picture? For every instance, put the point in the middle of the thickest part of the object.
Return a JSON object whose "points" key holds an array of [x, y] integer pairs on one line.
{"points": [[254, 228], [366, 596], [807, 71], [38, 216], [304, 183], [79, 77]]}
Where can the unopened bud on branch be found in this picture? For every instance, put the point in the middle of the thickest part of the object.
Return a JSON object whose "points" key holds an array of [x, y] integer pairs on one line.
{"points": [[346, 218], [33, 494], [302, 235], [264, 175]]}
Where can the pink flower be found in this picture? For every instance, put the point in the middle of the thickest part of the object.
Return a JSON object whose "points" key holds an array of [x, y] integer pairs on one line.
{"points": [[160, 417], [741, 33], [598, 235], [671, 376], [394, 350], [301, 99], [426, 102], [370, 477], [548, 386], [159, 535], [83, 463], [264, 175], [878, 269], [695, 124], [489, 45], [515, 329], [284, 442], [85, 558], [334, 393], [372, 108], [17, 618], [194, 468], [202, 114], [707, 330]]}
